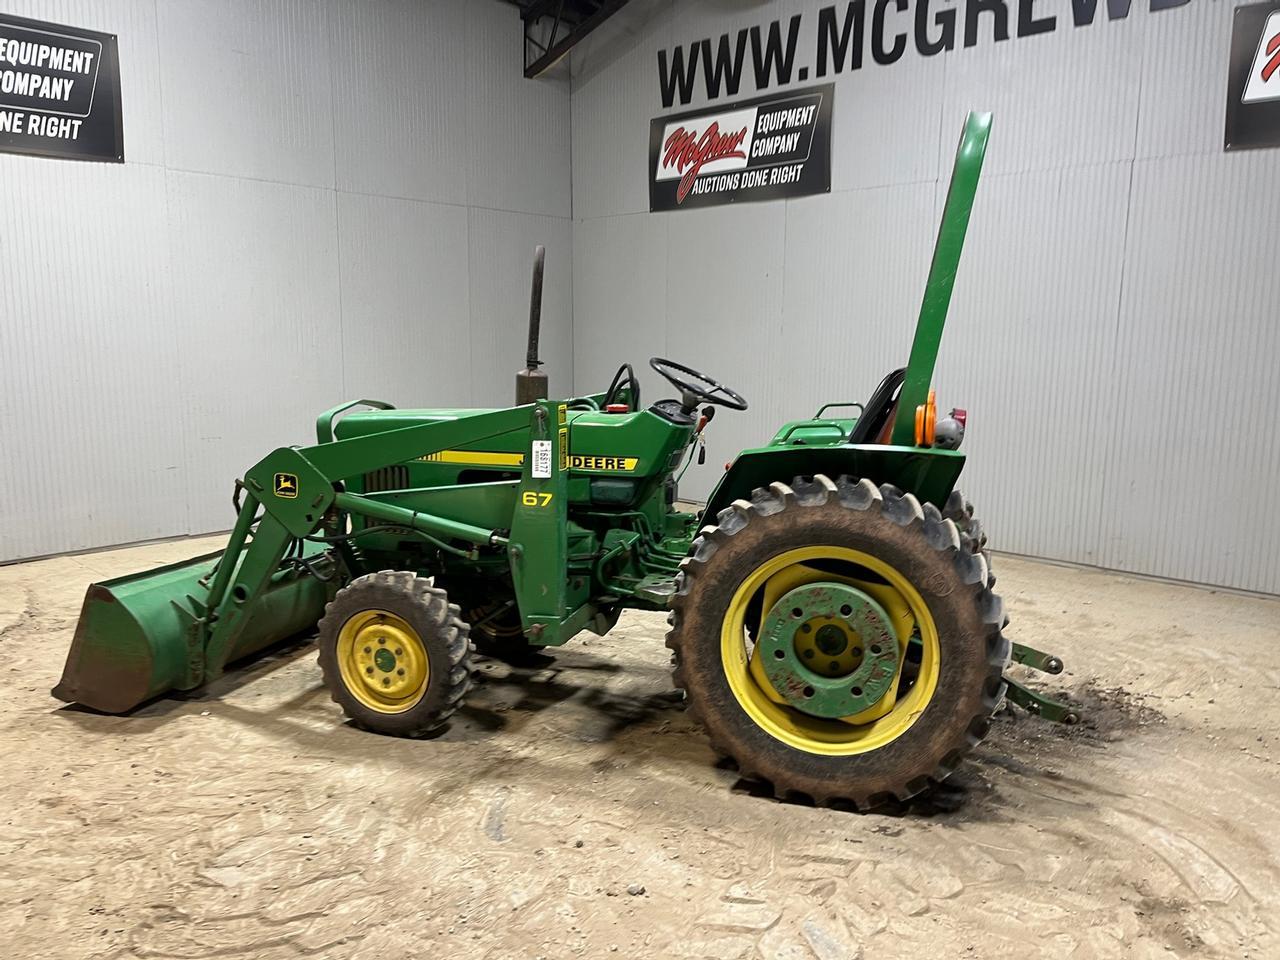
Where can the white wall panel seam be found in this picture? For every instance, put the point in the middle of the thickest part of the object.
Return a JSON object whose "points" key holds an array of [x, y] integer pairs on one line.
{"points": [[471, 307], [182, 413], [361, 193], [1114, 380], [450, 203], [693, 213], [573, 300], [337, 204], [342, 305], [471, 311]]}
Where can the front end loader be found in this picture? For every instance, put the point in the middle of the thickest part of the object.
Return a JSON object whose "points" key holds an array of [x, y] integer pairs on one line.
{"points": [[832, 617]]}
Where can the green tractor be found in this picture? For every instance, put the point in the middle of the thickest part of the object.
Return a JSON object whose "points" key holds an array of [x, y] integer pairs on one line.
{"points": [[832, 617]]}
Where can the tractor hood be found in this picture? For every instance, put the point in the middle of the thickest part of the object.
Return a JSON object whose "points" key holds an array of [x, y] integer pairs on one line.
{"points": [[638, 444]]}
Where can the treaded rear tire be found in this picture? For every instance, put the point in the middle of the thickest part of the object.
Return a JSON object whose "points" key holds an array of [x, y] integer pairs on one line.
{"points": [[959, 510], [440, 627], [922, 545]]}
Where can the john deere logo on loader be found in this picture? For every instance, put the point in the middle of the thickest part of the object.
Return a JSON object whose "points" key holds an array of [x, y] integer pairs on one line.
{"points": [[286, 485]]}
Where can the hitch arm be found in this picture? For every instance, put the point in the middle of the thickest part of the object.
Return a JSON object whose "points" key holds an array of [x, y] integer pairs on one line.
{"points": [[1028, 699]]}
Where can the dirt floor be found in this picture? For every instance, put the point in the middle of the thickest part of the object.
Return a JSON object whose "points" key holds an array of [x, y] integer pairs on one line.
{"points": [[573, 811]]}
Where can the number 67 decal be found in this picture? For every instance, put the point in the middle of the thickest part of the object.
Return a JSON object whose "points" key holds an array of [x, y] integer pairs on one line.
{"points": [[533, 498]]}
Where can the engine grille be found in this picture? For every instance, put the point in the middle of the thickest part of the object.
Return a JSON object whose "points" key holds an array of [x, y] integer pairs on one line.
{"points": [[386, 478]]}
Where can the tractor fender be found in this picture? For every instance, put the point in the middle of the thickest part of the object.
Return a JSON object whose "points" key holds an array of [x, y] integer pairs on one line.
{"points": [[927, 473]]}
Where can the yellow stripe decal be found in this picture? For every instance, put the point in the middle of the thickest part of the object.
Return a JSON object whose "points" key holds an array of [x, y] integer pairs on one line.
{"points": [[476, 458], [487, 458]]}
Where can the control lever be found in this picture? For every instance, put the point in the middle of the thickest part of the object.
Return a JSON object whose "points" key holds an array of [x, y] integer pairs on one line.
{"points": [[707, 413]]}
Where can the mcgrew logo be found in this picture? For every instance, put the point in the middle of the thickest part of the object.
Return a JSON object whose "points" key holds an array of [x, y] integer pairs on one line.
{"points": [[1264, 74], [688, 153]]}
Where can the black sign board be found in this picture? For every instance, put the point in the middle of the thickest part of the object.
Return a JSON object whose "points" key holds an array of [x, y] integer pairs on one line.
{"points": [[1253, 87], [59, 91], [762, 149]]}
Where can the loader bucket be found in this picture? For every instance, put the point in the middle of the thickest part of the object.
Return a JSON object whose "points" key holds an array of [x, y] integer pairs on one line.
{"points": [[144, 634]]}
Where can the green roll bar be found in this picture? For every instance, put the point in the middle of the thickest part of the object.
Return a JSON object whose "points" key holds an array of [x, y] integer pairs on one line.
{"points": [[942, 275]]}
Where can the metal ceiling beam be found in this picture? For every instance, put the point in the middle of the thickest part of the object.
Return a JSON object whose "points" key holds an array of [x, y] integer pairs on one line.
{"points": [[571, 21]]}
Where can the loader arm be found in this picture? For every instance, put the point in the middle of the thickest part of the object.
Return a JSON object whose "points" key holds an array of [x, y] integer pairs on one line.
{"points": [[295, 486], [179, 626]]}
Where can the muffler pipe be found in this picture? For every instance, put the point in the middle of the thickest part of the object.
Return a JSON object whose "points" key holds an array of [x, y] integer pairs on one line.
{"points": [[531, 383]]}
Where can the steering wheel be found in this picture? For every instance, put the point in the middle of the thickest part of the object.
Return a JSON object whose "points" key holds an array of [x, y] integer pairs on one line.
{"points": [[624, 379], [695, 386]]}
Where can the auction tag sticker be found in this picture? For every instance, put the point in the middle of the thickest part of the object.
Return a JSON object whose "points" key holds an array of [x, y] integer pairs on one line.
{"points": [[541, 469]]}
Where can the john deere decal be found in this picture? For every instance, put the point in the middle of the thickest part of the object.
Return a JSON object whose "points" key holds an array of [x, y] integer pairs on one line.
{"points": [[286, 485], [1253, 86], [763, 149], [623, 464]]}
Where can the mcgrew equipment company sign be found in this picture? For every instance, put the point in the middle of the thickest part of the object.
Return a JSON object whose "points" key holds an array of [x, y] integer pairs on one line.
{"points": [[59, 91], [762, 149], [1253, 83]]}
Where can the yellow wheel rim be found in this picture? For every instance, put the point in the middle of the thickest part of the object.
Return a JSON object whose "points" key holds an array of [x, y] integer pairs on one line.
{"points": [[848, 736], [383, 661]]}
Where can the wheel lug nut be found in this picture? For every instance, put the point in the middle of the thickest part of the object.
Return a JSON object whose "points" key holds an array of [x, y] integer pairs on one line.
{"points": [[400, 672], [368, 669], [368, 649], [382, 641], [386, 681], [399, 652]]}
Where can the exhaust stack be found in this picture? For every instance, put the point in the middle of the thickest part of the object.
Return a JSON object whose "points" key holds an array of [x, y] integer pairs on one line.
{"points": [[531, 383]]}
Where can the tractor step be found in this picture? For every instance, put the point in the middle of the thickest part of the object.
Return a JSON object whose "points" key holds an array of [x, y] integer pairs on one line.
{"points": [[656, 588]]}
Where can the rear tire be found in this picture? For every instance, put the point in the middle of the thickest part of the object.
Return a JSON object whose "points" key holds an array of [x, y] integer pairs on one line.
{"points": [[395, 653], [959, 511], [947, 580]]}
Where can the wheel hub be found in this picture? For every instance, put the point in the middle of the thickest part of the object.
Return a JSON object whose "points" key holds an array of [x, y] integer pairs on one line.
{"points": [[387, 662], [828, 649]]}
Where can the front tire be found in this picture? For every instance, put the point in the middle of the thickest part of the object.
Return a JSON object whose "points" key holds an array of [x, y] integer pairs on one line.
{"points": [[880, 541], [395, 654]]}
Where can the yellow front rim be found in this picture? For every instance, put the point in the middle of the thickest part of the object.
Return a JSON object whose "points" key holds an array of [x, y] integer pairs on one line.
{"points": [[847, 736], [383, 661]]}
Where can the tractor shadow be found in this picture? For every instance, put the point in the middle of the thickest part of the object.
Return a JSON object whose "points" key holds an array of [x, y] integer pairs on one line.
{"points": [[573, 694], [1023, 760], [625, 713], [176, 703], [595, 699]]}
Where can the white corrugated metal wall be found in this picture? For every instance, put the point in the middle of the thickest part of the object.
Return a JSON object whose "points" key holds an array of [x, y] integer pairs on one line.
{"points": [[351, 213], [323, 199], [1114, 331]]}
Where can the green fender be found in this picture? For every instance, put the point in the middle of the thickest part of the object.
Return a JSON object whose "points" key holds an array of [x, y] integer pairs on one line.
{"points": [[928, 473]]}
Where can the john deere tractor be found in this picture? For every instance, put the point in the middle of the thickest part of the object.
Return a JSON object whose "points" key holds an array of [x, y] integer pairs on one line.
{"points": [[831, 610]]}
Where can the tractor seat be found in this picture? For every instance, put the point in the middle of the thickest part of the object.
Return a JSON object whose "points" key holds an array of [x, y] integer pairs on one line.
{"points": [[878, 412]]}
